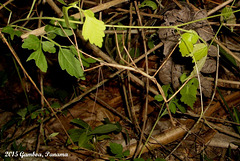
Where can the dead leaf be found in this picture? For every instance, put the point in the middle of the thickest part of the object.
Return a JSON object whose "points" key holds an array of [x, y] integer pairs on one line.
{"points": [[212, 51], [209, 66], [165, 74], [176, 73], [207, 86]]}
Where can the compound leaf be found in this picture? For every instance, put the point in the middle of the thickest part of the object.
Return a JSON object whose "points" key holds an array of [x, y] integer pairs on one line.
{"points": [[32, 42], [68, 62], [93, 29], [189, 92], [40, 59]]}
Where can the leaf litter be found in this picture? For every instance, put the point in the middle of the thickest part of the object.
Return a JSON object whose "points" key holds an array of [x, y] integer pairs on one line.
{"points": [[94, 113]]}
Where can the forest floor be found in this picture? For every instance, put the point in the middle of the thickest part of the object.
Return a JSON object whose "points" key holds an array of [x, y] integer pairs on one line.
{"points": [[120, 80]]}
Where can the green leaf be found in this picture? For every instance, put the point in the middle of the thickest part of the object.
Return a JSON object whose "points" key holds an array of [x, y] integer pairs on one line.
{"points": [[159, 98], [172, 107], [75, 134], [68, 62], [148, 3], [81, 123], [199, 51], [51, 35], [165, 88], [40, 59], [85, 61], [32, 42], [183, 77], [48, 47], [54, 27], [236, 118], [22, 113], [226, 12], [126, 153], [180, 107], [198, 66], [116, 148], [227, 57], [53, 135], [189, 92], [58, 31], [232, 20], [187, 41], [83, 139], [150, 44], [93, 29], [9, 30], [65, 15], [103, 137], [62, 1], [228, 16], [138, 159], [34, 115], [104, 129]]}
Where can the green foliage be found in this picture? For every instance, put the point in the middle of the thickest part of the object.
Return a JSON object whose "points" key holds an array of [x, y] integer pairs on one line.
{"points": [[93, 29], [165, 88], [33, 43], [197, 68], [52, 135], [104, 129], [174, 103], [70, 63], [187, 41], [9, 30], [85, 61], [60, 28], [65, 12], [85, 136], [117, 151], [189, 92], [228, 16], [62, 1], [150, 44], [22, 112], [189, 48], [236, 118], [199, 51], [226, 13], [48, 46], [148, 3]]}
